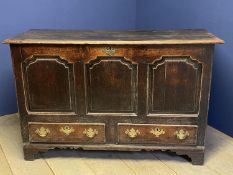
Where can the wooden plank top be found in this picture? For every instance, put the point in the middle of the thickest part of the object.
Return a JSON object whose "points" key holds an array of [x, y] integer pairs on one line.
{"points": [[49, 36]]}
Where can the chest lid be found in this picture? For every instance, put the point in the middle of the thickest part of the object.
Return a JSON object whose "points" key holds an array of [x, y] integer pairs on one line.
{"points": [[50, 36]]}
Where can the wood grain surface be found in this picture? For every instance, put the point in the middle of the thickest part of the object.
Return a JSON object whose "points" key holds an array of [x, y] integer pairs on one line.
{"points": [[76, 79], [184, 36], [57, 135], [146, 136]]}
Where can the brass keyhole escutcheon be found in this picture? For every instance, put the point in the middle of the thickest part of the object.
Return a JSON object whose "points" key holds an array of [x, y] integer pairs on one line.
{"points": [[42, 131], [90, 132], [157, 132], [109, 51], [132, 133], [181, 134], [67, 130]]}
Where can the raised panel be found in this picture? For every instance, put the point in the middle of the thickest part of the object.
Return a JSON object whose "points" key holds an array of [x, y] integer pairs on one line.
{"points": [[174, 85], [48, 82], [111, 86]]}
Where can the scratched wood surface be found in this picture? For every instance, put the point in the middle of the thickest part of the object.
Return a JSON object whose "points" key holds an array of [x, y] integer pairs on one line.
{"points": [[218, 161], [49, 36]]}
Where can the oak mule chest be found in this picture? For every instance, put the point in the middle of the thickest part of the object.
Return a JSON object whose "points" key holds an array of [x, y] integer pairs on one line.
{"points": [[113, 90]]}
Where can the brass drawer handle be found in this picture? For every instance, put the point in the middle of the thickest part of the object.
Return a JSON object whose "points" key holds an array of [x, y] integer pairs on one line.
{"points": [[157, 132], [109, 51], [42, 132], [132, 133], [67, 130], [90, 132], [181, 134]]}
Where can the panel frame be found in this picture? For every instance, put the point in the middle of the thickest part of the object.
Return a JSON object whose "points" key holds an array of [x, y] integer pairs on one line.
{"points": [[188, 59], [143, 55], [46, 57], [134, 86]]}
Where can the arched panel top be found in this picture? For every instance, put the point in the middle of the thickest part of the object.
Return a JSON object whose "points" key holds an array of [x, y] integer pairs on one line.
{"points": [[186, 59], [35, 58], [100, 59], [111, 86], [48, 84], [174, 85]]}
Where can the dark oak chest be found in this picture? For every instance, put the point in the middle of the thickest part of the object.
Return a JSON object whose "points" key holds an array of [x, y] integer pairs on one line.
{"points": [[111, 90]]}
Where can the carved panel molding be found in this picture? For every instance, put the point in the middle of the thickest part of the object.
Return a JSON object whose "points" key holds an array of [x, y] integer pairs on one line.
{"points": [[54, 74], [111, 86], [174, 85]]}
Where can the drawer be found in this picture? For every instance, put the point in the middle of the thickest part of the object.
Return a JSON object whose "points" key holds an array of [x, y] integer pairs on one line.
{"points": [[154, 133], [67, 132]]}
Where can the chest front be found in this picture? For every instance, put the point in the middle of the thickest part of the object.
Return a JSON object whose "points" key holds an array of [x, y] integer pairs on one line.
{"points": [[113, 96]]}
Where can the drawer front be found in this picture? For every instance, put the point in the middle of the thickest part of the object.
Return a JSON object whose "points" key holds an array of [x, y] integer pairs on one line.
{"points": [[154, 133], [67, 132]]}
